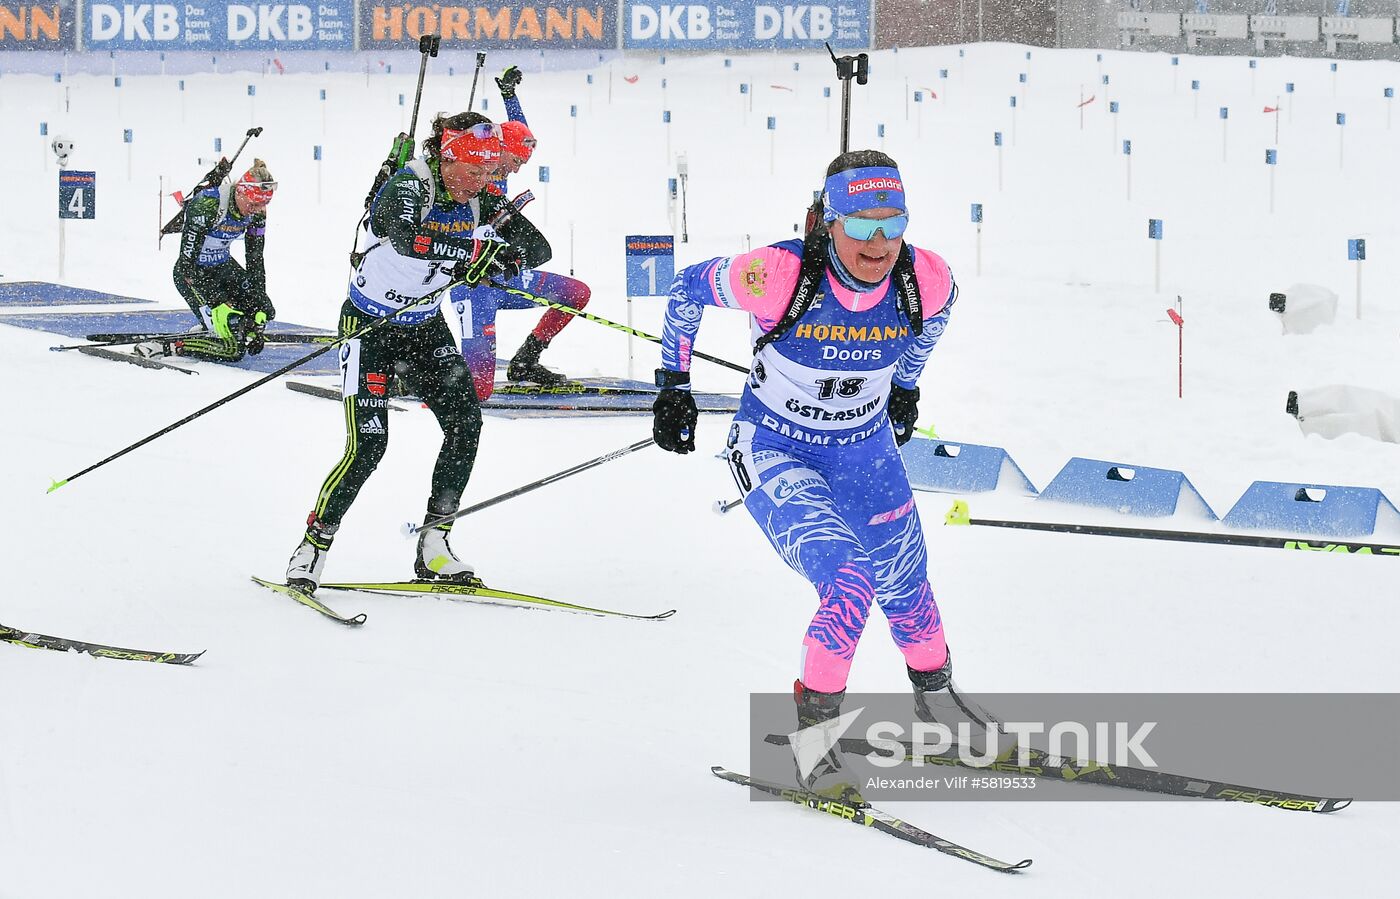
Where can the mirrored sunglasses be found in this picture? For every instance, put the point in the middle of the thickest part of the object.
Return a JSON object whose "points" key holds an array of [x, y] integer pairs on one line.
{"points": [[864, 229]]}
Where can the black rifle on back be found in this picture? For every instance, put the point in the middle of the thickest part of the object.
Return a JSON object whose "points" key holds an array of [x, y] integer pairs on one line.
{"points": [[480, 61], [402, 150], [848, 68], [212, 178]]}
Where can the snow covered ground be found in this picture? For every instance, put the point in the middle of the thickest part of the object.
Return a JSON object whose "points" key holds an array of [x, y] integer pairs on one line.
{"points": [[460, 750]]}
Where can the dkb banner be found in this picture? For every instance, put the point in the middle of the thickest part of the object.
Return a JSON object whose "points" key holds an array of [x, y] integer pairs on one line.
{"points": [[491, 24], [746, 25], [219, 25], [37, 26]]}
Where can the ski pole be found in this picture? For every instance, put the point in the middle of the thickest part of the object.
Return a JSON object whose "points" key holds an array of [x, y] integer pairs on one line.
{"points": [[409, 528], [253, 386], [611, 324], [480, 61], [958, 515]]}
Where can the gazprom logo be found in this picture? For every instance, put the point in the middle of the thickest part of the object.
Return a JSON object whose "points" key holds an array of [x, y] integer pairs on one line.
{"points": [[790, 483]]}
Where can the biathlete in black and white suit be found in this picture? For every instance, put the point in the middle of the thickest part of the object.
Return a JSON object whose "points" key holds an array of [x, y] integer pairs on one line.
{"points": [[428, 228]]}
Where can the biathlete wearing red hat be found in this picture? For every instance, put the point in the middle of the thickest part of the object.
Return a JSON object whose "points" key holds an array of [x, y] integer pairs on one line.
{"points": [[425, 231], [476, 307], [230, 302]]}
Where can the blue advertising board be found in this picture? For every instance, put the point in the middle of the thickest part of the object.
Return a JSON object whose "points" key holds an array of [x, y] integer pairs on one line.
{"points": [[38, 26], [746, 24], [219, 25], [490, 24], [77, 195], [651, 264]]}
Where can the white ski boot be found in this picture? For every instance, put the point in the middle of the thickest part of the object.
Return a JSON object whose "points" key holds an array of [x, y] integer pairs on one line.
{"points": [[436, 559], [309, 560], [153, 349]]}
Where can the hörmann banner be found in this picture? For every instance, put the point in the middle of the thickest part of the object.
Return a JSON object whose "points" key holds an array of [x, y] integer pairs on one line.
{"points": [[491, 24], [219, 25], [38, 26], [745, 25]]}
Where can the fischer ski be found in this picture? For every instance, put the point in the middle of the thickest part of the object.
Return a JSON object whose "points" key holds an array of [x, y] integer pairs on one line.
{"points": [[1125, 777], [98, 352], [116, 338], [567, 389], [99, 650], [312, 602], [476, 591], [868, 816], [120, 337], [511, 397], [327, 392]]}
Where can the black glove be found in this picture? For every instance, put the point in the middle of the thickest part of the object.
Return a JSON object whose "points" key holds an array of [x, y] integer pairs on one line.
{"points": [[904, 412], [674, 414], [509, 263], [256, 336], [489, 258], [510, 79]]}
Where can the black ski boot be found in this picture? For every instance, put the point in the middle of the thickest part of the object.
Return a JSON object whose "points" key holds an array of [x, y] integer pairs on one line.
{"points": [[937, 701], [927, 683], [828, 777], [525, 365]]}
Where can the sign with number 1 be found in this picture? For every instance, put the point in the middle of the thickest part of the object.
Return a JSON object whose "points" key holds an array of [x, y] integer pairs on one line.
{"points": [[651, 264]]}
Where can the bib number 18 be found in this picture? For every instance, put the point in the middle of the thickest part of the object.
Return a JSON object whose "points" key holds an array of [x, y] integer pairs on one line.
{"points": [[842, 387]]}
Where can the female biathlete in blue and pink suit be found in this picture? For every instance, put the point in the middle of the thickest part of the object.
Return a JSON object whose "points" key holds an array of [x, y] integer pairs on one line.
{"points": [[814, 444], [476, 307]]}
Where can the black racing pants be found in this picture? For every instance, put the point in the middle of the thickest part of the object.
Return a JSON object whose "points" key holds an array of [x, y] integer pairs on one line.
{"points": [[427, 359], [210, 286]]}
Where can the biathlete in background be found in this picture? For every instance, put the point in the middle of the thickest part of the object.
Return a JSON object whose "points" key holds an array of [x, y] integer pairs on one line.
{"points": [[846, 320], [428, 227], [230, 301], [476, 307]]}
